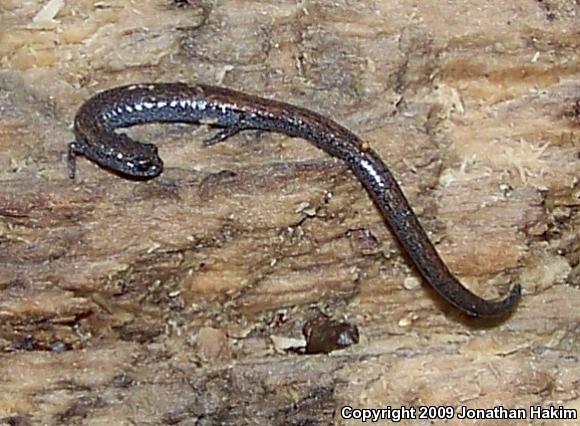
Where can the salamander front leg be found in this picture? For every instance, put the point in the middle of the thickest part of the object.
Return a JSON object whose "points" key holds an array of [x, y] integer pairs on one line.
{"points": [[74, 149]]}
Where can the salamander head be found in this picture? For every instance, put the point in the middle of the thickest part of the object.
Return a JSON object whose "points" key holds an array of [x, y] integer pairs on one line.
{"points": [[125, 156], [143, 162]]}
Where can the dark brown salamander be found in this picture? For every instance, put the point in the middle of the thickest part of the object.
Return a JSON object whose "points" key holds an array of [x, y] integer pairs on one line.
{"points": [[233, 111]]}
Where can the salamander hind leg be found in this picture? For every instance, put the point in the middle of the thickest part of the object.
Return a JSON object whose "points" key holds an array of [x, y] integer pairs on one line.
{"points": [[224, 134]]}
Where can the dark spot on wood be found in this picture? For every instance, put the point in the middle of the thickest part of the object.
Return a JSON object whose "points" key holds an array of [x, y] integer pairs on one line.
{"points": [[16, 421], [324, 335], [81, 408], [27, 343]]}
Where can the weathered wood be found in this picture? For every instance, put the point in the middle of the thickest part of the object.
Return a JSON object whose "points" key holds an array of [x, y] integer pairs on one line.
{"points": [[163, 302]]}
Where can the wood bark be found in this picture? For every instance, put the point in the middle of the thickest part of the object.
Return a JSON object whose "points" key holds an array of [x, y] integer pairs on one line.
{"points": [[165, 302]]}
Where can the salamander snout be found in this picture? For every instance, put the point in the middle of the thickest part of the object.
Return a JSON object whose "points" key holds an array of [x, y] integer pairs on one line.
{"points": [[141, 161], [146, 167]]}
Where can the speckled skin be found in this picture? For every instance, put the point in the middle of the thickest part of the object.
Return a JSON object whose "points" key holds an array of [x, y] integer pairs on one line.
{"points": [[233, 112]]}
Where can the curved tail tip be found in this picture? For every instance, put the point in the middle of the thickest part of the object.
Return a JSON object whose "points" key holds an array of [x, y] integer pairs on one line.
{"points": [[501, 307]]}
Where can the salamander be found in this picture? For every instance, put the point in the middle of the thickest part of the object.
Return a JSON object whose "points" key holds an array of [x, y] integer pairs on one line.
{"points": [[233, 111]]}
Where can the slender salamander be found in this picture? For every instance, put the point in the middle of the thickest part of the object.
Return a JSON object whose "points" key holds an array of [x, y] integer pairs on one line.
{"points": [[232, 112]]}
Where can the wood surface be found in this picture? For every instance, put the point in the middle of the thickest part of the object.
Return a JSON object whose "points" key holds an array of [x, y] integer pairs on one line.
{"points": [[168, 302]]}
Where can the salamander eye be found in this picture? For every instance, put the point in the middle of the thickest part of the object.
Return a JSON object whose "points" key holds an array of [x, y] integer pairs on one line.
{"points": [[145, 165]]}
